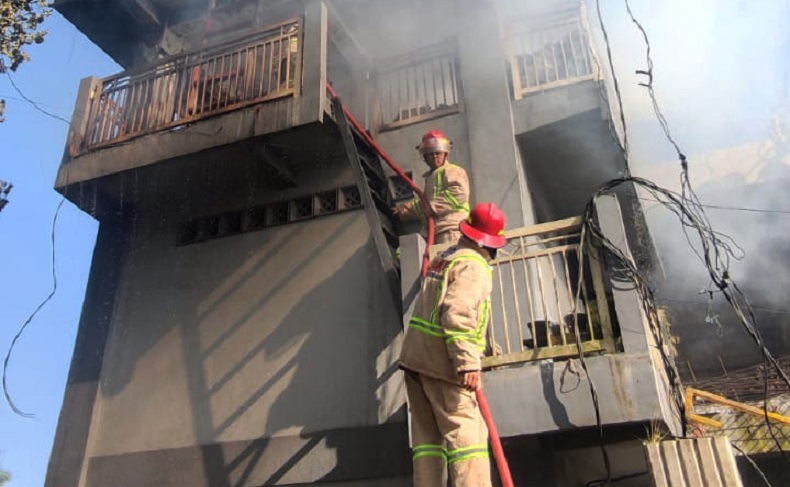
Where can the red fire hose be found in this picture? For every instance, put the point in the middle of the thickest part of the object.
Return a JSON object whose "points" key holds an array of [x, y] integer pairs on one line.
{"points": [[496, 445]]}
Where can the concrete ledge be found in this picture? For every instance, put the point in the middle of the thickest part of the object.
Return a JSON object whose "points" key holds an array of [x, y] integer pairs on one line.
{"points": [[555, 396], [335, 455], [231, 127]]}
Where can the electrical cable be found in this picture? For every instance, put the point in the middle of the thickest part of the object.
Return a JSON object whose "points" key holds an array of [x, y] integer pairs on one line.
{"points": [[33, 103], [716, 256], [43, 303], [754, 465], [733, 208], [598, 482], [616, 83]]}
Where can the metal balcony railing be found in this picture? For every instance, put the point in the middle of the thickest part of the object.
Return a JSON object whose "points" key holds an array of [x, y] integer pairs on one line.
{"points": [[419, 86], [549, 54], [539, 302], [192, 86]]}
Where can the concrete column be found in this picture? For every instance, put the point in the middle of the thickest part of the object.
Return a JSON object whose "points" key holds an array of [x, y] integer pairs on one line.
{"points": [[412, 247], [634, 328], [67, 459], [89, 90], [627, 303], [496, 171], [314, 48]]}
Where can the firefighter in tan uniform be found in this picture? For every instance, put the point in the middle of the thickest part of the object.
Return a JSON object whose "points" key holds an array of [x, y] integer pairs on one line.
{"points": [[442, 353], [446, 186]]}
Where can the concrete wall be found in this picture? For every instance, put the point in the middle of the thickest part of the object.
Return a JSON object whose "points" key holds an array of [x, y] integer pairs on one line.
{"points": [[286, 333]]}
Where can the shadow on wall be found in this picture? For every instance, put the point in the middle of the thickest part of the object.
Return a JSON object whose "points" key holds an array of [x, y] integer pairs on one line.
{"points": [[282, 339], [565, 162]]}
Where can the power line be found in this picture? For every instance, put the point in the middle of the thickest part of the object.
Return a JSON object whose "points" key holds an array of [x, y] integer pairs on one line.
{"points": [[731, 208], [715, 253], [43, 303], [756, 308], [33, 103]]}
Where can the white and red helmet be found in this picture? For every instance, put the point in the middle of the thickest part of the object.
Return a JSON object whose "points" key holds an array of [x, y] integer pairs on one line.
{"points": [[434, 141]]}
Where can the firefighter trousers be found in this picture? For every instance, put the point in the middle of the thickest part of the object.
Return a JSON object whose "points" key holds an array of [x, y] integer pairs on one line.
{"points": [[448, 434]]}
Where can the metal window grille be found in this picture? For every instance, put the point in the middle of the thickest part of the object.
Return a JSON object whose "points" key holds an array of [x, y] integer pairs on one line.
{"points": [[351, 197], [327, 202], [549, 55], [255, 218], [400, 189], [278, 213], [419, 86], [188, 87], [302, 208]]}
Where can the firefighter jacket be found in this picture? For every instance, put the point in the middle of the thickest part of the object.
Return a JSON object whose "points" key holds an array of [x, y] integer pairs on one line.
{"points": [[446, 333], [447, 188]]}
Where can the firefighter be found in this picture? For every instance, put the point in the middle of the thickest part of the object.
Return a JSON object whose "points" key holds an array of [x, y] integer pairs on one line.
{"points": [[441, 357], [446, 186]]}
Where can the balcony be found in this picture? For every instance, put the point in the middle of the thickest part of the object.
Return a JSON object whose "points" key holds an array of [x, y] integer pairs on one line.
{"points": [[250, 102], [191, 87], [547, 309]]}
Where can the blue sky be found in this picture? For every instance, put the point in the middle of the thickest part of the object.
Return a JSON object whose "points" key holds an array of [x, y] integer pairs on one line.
{"points": [[718, 66], [32, 147]]}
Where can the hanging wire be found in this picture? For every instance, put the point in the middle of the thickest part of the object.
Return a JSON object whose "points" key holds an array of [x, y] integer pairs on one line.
{"points": [[716, 254], [43, 303], [31, 102]]}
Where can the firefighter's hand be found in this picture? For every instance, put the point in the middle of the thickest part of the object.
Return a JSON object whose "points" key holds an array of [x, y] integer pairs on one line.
{"points": [[470, 380]]}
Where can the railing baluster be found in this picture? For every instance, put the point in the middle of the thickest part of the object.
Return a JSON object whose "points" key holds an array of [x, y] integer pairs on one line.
{"points": [[571, 294], [543, 302], [556, 286], [530, 297], [585, 294], [519, 322], [561, 45], [504, 310]]}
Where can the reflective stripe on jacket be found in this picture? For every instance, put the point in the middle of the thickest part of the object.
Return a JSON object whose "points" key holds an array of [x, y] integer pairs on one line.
{"points": [[446, 333], [447, 187]]}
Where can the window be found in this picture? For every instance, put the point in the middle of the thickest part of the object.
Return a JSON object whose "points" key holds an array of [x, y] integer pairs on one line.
{"points": [[555, 52], [418, 86]]}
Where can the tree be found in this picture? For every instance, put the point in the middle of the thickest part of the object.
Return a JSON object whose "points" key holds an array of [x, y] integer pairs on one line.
{"points": [[4, 477], [5, 188], [19, 27], [19, 23]]}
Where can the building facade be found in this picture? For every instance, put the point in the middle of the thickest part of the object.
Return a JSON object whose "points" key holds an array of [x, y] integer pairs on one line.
{"points": [[248, 287]]}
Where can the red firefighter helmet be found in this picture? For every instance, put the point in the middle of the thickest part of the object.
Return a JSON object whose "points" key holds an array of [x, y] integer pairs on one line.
{"points": [[434, 141], [485, 226]]}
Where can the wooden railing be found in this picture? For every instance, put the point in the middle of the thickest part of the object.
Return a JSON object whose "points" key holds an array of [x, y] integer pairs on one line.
{"points": [[539, 303], [549, 54], [188, 87]]}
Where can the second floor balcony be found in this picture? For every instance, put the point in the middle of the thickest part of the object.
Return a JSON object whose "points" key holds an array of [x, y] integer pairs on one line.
{"points": [[187, 88], [555, 299], [241, 100]]}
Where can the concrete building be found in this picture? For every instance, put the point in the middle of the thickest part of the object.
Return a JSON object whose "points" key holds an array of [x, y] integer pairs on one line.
{"points": [[245, 302]]}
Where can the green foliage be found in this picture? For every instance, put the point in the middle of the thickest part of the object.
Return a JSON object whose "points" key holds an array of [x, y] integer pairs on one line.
{"points": [[19, 24], [4, 477]]}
